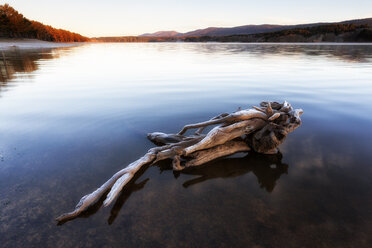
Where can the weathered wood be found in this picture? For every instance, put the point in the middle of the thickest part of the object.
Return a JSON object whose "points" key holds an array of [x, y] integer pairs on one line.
{"points": [[124, 179], [261, 129], [219, 135], [205, 156], [234, 117], [201, 129]]}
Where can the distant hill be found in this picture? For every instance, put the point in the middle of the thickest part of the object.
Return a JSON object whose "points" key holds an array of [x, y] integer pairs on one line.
{"points": [[366, 21], [250, 29], [15, 25], [247, 29], [161, 34]]}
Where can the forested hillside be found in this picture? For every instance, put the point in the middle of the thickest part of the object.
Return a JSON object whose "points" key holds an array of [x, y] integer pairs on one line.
{"points": [[321, 33], [15, 25]]}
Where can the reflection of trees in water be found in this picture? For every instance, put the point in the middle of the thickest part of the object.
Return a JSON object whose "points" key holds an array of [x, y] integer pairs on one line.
{"points": [[267, 169], [347, 53], [22, 61], [25, 61]]}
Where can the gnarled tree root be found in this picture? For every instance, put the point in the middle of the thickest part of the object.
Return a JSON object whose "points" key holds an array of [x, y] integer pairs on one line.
{"points": [[261, 129]]}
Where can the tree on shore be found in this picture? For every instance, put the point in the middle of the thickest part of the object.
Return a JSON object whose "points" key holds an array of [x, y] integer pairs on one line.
{"points": [[15, 25]]}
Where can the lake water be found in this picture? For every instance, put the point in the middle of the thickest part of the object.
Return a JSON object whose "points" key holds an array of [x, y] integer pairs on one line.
{"points": [[72, 117]]}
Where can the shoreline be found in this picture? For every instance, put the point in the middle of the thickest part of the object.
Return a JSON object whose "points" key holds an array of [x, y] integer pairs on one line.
{"points": [[23, 43], [7, 44]]}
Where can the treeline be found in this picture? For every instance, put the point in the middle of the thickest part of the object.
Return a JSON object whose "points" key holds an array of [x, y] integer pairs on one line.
{"points": [[335, 29], [321, 33], [15, 25]]}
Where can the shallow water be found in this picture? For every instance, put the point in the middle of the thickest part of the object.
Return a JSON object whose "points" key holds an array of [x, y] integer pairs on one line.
{"points": [[72, 117]]}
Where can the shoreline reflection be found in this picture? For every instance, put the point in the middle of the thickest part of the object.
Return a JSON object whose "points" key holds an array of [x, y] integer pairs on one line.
{"points": [[14, 61]]}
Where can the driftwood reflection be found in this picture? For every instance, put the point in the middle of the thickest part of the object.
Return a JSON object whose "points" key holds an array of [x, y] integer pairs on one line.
{"points": [[267, 169], [92, 210], [126, 193], [130, 188]]}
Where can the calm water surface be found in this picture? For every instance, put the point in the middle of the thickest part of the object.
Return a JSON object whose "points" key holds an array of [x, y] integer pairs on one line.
{"points": [[72, 117]]}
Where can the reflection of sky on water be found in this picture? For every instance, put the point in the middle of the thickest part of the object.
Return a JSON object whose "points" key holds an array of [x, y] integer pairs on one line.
{"points": [[77, 115]]}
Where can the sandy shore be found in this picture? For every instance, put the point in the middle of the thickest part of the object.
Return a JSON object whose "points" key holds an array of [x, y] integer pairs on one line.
{"points": [[31, 44]]}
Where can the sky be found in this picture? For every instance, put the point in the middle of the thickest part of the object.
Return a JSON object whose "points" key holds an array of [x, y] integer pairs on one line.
{"points": [[95, 18]]}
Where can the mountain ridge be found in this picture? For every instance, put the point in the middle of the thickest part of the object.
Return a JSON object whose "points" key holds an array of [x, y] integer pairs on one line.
{"points": [[249, 29]]}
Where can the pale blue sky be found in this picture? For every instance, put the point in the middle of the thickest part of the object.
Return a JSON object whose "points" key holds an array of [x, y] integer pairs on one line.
{"points": [[123, 17]]}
